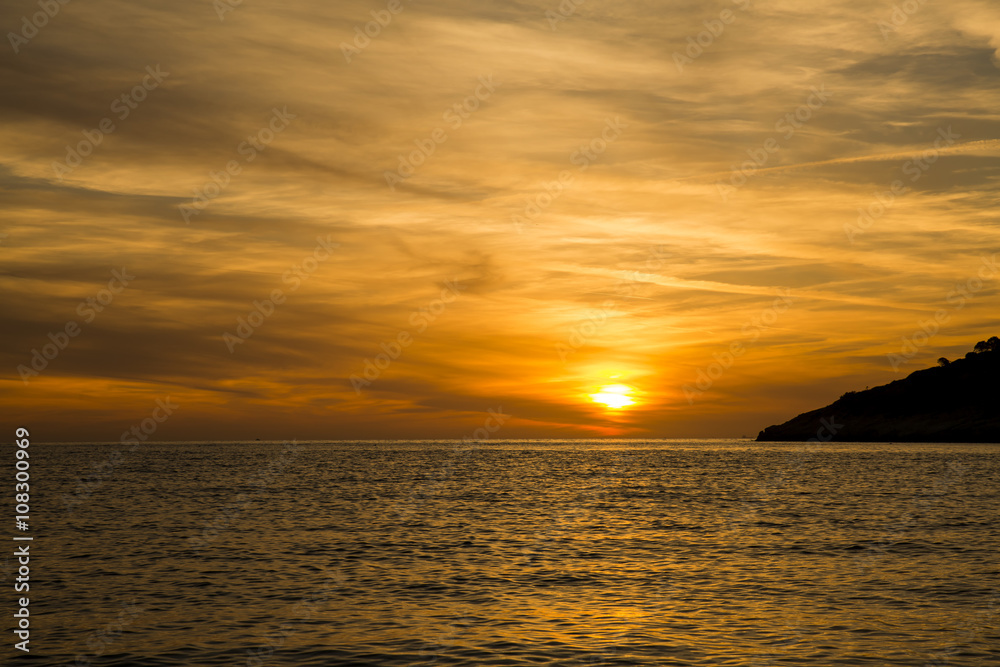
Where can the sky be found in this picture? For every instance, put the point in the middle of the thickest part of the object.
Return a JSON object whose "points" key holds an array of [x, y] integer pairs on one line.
{"points": [[394, 219]]}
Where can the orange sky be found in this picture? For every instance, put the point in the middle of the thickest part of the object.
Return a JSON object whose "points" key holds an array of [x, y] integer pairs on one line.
{"points": [[531, 205]]}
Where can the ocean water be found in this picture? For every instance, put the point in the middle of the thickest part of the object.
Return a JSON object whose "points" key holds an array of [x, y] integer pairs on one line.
{"points": [[514, 553]]}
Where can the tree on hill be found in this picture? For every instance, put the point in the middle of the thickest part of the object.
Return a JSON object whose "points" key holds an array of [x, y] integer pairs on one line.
{"points": [[990, 345]]}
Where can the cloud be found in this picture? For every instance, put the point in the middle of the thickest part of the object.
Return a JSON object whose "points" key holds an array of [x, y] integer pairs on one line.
{"points": [[635, 256]]}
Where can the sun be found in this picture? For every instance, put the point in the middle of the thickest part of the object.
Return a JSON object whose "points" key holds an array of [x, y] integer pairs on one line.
{"points": [[614, 396]]}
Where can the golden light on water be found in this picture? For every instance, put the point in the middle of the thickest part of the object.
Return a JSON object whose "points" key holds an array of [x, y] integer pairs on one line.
{"points": [[614, 396]]}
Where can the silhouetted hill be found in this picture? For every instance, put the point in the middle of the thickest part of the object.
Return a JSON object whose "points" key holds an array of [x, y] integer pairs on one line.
{"points": [[958, 401]]}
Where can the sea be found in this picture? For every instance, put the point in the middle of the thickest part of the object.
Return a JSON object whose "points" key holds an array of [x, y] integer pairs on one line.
{"points": [[511, 552]]}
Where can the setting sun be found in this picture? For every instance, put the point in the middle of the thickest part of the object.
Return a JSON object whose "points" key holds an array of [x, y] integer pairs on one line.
{"points": [[614, 396]]}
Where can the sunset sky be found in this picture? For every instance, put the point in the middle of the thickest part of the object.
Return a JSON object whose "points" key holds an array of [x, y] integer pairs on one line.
{"points": [[580, 226]]}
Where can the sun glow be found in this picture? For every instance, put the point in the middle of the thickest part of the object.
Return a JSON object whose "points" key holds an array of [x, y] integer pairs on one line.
{"points": [[614, 396]]}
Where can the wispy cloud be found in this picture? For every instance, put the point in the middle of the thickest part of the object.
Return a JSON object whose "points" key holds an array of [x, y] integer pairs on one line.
{"points": [[653, 187]]}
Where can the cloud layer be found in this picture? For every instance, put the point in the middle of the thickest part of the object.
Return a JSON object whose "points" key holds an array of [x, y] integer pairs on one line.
{"points": [[581, 194]]}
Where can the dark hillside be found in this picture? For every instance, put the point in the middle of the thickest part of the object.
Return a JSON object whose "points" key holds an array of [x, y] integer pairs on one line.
{"points": [[957, 401]]}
